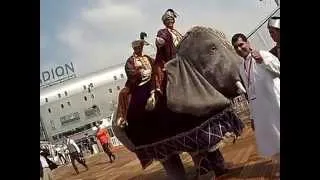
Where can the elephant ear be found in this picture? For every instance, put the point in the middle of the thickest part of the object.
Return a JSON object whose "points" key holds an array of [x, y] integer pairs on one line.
{"points": [[121, 134], [189, 92]]}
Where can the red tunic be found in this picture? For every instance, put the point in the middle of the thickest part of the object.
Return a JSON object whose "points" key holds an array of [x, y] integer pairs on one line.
{"points": [[164, 54], [103, 136], [134, 78]]}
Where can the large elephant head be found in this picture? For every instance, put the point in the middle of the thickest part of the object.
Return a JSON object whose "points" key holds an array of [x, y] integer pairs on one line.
{"points": [[206, 68]]}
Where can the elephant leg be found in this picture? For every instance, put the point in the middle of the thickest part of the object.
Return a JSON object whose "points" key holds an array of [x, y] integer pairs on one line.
{"points": [[174, 168], [208, 161], [216, 162]]}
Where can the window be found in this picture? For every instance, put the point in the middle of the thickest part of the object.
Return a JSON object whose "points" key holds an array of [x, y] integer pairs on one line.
{"points": [[70, 118], [94, 111], [110, 90], [122, 76], [46, 99], [85, 98], [115, 77], [84, 87], [69, 103], [92, 96], [62, 106], [59, 95], [49, 110], [89, 90], [52, 125], [118, 87], [66, 93]]}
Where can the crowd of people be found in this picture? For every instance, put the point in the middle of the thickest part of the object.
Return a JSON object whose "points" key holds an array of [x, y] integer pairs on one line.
{"points": [[69, 151]]}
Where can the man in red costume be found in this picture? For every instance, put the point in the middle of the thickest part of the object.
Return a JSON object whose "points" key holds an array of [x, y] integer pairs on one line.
{"points": [[166, 41], [140, 76], [103, 137]]}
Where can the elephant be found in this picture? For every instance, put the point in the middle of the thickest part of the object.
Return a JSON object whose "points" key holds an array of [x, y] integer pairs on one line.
{"points": [[195, 114]]}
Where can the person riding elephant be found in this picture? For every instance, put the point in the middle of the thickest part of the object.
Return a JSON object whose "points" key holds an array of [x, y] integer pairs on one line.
{"points": [[166, 42]]}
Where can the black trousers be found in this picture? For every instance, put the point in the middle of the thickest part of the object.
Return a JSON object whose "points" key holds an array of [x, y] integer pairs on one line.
{"points": [[106, 149], [76, 156]]}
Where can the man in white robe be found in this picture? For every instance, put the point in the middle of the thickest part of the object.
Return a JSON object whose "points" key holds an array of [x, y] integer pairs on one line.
{"points": [[260, 71]]}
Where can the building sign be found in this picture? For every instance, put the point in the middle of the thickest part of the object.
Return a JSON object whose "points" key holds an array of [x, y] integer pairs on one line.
{"points": [[70, 118], [57, 74]]}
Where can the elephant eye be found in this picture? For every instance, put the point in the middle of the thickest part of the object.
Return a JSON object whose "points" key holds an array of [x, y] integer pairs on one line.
{"points": [[213, 49]]}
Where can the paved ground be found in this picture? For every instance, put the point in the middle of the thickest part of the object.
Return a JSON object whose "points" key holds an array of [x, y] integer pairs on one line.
{"points": [[246, 164]]}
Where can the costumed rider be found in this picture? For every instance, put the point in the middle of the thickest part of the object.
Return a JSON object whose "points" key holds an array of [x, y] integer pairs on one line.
{"points": [[139, 73], [167, 41]]}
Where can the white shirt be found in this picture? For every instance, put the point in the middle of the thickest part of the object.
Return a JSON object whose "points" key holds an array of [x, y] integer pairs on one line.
{"points": [[72, 142], [176, 36], [44, 162]]}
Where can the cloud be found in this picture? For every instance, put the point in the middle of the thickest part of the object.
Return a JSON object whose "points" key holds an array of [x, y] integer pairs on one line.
{"points": [[98, 35], [101, 35]]}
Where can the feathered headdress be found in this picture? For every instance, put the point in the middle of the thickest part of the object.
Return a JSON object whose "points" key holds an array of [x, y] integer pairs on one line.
{"points": [[141, 40]]}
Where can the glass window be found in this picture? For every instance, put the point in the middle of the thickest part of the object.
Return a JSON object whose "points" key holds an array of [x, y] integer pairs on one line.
{"points": [[110, 90], [49, 110], [62, 106], [92, 96], [70, 118], [115, 77], [59, 95], [85, 98], [84, 87], [92, 112], [69, 103], [118, 87], [122, 76], [66, 93], [46, 99]]}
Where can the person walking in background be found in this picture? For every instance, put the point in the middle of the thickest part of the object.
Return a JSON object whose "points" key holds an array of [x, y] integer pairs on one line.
{"points": [[45, 171], [75, 153], [60, 153], [46, 166], [103, 137]]}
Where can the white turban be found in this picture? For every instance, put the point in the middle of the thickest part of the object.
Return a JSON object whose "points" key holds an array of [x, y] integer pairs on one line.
{"points": [[274, 22]]}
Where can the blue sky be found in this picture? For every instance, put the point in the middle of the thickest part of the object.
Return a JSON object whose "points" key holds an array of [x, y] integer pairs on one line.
{"points": [[95, 34]]}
